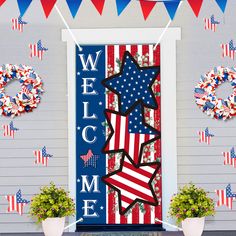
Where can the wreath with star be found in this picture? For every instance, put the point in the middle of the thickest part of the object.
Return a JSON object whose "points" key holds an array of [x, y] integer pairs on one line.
{"points": [[27, 98], [206, 98]]}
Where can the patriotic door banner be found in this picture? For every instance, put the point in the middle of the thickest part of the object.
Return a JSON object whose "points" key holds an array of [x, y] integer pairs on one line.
{"points": [[118, 139]]}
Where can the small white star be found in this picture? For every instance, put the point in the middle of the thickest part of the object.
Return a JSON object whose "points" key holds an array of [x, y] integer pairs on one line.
{"points": [[100, 103], [78, 128], [101, 207], [78, 73], [78, 180]]}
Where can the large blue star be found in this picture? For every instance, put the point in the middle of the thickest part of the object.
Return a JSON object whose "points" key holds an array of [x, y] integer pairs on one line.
{"points": [[133, 84]]}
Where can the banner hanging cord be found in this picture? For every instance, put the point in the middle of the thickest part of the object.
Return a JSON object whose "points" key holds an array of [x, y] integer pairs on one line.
{"points": [[167, 26], [170, 225], [79, 220], [67, 26]]}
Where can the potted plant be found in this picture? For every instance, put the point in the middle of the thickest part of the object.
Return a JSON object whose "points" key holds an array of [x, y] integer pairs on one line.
{"points": [[50, 207], [190, 206]]}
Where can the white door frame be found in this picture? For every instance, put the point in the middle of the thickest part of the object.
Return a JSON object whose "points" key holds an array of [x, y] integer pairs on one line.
{"points": [[168, 96]]}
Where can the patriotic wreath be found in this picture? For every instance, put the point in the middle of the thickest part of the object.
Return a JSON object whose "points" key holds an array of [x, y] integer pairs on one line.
{"points": [[205, 93], [27, 98]]}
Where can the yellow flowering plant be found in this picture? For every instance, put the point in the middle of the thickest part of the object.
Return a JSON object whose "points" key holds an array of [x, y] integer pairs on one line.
{"points": [[191, 202], [51, 202]]}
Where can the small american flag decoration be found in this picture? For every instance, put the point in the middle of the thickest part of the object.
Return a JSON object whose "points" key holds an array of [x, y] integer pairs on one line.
{"points": [[18, 24], [9, 130], [228, 50], [16, 203], [37, 50], [230, 158], [225, 197], [90, 159], [42, 156], [205, 136], [211, 23]]}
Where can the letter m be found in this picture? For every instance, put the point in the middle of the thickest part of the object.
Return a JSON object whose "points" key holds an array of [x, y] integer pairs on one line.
{"points": [[90, 61], [87, 187]]}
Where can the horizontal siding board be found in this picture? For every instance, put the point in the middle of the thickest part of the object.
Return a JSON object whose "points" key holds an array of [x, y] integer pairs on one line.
{"points": [[202, 150], [219, 178], [215, 142], [33, 180], [38, 171], [206, 169], [14, 163], [199, 160]]}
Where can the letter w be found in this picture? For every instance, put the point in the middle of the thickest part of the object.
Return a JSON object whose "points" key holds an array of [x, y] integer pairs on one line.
{"points": [[90, 61]]}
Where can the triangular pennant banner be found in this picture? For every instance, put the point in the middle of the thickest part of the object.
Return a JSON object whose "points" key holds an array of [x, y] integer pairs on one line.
{"points": [[74, 6], [196, 6], [222, 4], [99, 4], [171, 8], [47, 6], [23, 5], [121, 5], [2, 1], [146, 7]]}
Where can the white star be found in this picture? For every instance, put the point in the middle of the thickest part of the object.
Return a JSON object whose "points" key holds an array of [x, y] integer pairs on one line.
{"points": [[78, 73], [78, 180], [78, 128], [100, 103], [101, 207]]}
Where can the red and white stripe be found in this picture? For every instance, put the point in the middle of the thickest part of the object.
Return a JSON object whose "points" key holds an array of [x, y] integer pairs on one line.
{"points": [[123, 139], [13, 205], [40, 159], [35, 52], [136, 217], [223, 199], [16, 25], [227, 52], [209, 25], [228, 160], [203, 138], [8, 131], [133, 183]]}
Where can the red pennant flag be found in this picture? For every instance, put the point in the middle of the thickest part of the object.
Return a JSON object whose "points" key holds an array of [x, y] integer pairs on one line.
{"points": [[147, 7], [2, 1], [196, 6], [99, 4], [47, 6]]}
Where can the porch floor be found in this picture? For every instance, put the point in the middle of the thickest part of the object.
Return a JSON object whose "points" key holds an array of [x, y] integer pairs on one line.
{"points": [[209, 233]]}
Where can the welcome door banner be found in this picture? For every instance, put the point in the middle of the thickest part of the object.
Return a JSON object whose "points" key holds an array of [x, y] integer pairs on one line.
{"points": [[118, 139]]}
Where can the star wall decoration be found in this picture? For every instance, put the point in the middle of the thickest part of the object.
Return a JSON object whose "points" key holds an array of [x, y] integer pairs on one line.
{"points": [[133, 183], [226, 197], [129, 133], [16, 203], [133, 84]]}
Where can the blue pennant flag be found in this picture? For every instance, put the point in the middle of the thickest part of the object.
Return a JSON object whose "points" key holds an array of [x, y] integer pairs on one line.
{"points": [[121, 5], [74, 6], [171, 7], [23, 5], [222, 4]]}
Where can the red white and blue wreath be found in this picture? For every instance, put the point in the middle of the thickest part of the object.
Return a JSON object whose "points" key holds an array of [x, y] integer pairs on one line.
{"points": [[205, 93], [27, 98]]}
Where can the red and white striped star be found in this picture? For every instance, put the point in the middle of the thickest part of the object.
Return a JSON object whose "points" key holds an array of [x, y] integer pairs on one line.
{"points": [[133, 184], [123, 139]]}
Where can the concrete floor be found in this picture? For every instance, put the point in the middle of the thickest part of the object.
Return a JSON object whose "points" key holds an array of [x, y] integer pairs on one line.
{"points": [[216, 233]]}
